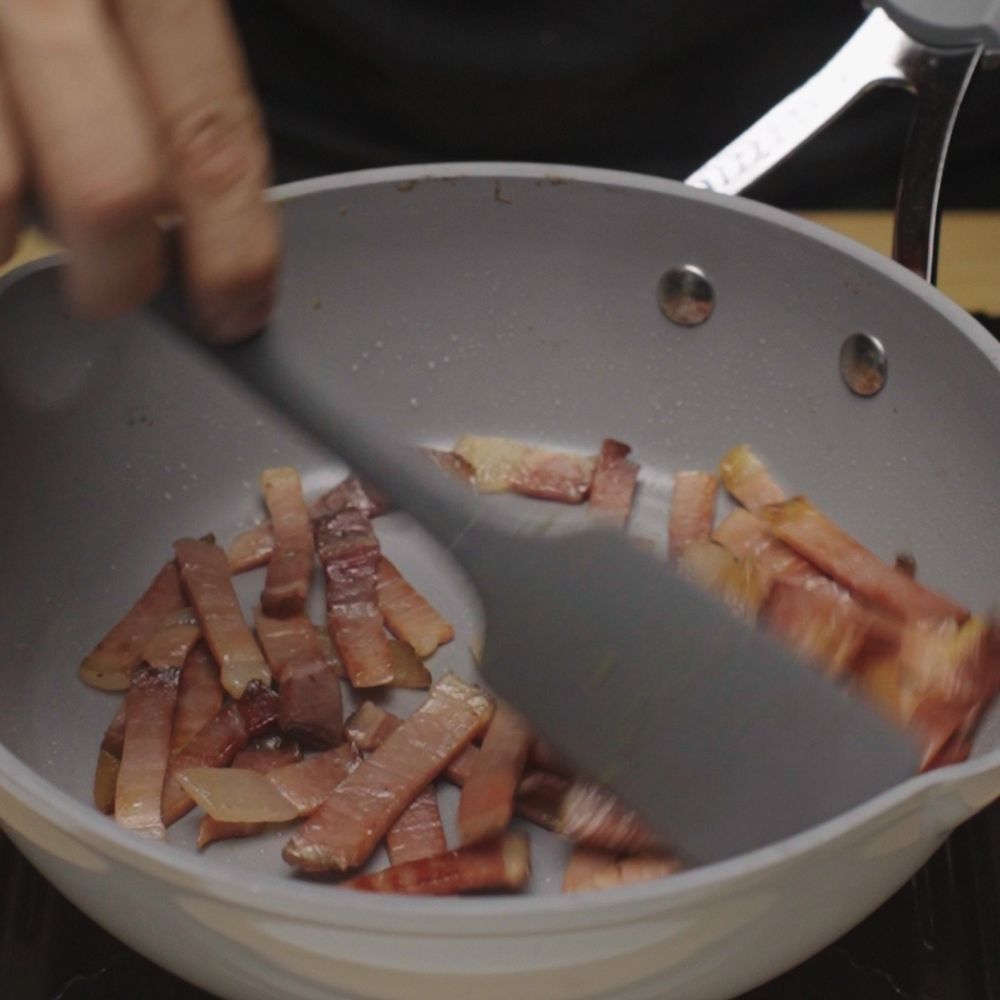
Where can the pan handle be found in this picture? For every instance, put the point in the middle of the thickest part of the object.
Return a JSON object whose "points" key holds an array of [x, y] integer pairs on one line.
{"points": [[880, 52]]}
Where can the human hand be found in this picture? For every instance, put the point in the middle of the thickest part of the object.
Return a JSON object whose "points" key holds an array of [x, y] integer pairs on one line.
{"points": [[117, 112]]}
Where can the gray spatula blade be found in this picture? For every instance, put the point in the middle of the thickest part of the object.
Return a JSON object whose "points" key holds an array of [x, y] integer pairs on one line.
{"points": [[716, 734]]}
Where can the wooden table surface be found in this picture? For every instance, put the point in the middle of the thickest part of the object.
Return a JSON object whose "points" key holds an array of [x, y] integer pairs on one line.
{"points": [[969, 262], [969, 268]]}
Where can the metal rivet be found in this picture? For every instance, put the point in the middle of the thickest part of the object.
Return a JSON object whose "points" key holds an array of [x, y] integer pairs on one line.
{"points": [[685, 295], [863, 364]]}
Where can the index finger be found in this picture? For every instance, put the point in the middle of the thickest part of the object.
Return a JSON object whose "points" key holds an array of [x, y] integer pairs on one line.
{"points": [[87, 127], [189, 58]]}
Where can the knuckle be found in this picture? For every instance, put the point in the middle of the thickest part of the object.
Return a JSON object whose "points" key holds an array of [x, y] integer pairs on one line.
{"points": [[218, 147], [105, 200]]}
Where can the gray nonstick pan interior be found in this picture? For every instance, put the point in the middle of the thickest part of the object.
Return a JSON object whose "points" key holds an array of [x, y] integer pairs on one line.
{"points": [[523, 306]]}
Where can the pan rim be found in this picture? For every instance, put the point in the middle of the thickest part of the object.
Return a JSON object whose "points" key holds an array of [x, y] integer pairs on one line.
{"points": [[557, 174], [328, 905], [317, 904]]}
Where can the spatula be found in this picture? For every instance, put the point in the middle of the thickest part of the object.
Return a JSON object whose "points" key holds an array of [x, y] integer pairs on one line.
{"points": [[721, 738]]}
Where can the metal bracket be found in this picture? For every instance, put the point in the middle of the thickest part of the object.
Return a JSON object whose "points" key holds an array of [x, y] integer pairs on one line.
{"points": [[878, 53], [939, 78]]}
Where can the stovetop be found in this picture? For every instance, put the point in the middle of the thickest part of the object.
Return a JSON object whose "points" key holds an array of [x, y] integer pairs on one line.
{"points": [[938, 938]]}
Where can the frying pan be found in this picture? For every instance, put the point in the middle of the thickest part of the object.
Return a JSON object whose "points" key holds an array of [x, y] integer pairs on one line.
{"points": [[491, 298], [498, 299]]}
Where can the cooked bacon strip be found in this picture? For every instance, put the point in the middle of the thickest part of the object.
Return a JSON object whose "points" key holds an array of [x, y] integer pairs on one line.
{"points": [[110, 663], [589, 870], [821, 625], [251, 548], [310, 702], [939, 682], [239, 806], [543, 757], [971, 674], [501, 464], [487, 801], [218, 743], [945, 730], [591, 815], [347, 827], [613, 488], [408, 670], [106, 781], [255, 546], [259, 707], [458, 771], [289, 569], [407, 613], [540, 795], [287, 641], [172, 640], [350, 494], [806, 529], [692, 510], [205, 576], [418, 833], [215, 746], [108, 760], [199, 698], [747, 537], [585, 863], [234, 795], [114, 736], [149, 713], [309, 783], [744, 534], [349, 552], [268, 754], [369, 726], [539, 799], [310, 705], [493, 459], [738, 582], [504, 864], [543, 797], [328, 649], [262, 761], [585, 813], [955, 751], [554, 475], [747, 480], [452, 463]]}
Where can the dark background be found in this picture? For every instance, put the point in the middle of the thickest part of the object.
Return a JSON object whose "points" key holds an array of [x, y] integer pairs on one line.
{"points": [[656, 86]]}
